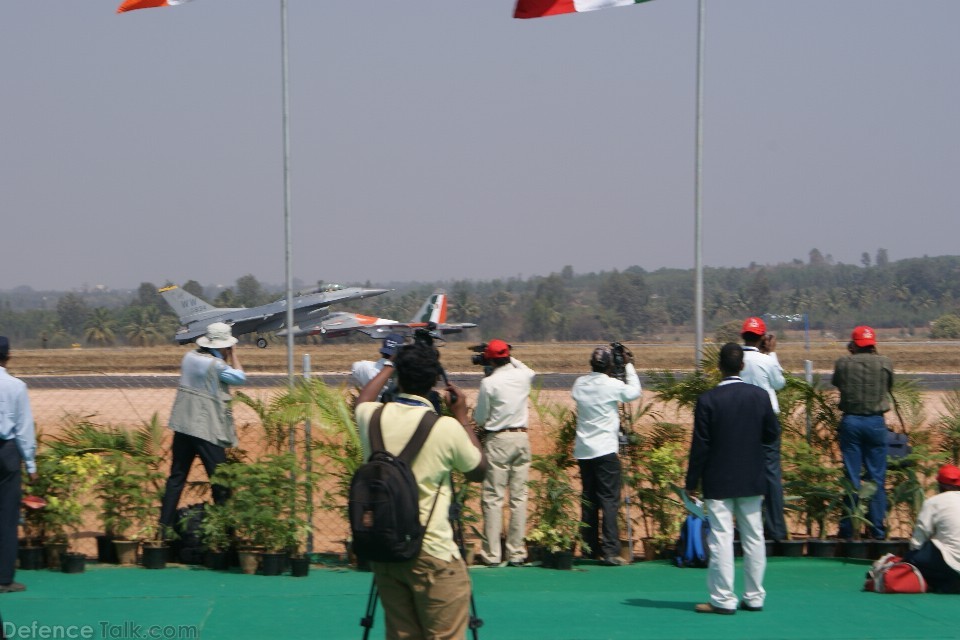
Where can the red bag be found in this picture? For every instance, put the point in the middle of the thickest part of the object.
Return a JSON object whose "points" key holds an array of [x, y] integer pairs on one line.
{"points": [[890, 574]]}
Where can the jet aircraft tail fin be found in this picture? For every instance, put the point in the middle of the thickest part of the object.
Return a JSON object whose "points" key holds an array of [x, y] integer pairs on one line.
{"points": [[184, 303], [433, 310]]}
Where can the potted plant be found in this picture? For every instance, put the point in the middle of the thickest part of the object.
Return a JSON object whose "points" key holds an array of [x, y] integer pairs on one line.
{"points": [[70, 489], [215, 532], [265, 509], [556, 511], [654, 469], [129, 498], [815, 484]]}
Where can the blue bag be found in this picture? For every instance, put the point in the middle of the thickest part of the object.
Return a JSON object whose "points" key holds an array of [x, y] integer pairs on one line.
{"points": [[692, 547]]}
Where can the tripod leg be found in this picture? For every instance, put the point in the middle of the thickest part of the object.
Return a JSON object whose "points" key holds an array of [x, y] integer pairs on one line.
{"points": [[367, 620]]}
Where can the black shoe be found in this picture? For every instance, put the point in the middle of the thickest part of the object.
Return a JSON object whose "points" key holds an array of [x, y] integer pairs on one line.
{"points": [[13, 587], [749, 607], [515, 563]]}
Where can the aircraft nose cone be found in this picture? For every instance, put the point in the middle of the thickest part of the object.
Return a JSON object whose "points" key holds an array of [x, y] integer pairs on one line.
{"points": [[374, 292]]}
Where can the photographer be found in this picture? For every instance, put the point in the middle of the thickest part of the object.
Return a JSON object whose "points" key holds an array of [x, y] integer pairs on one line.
{"points": [[429, 596], [865, 381], [761, 368], [598, 395], [363, 371], [502, 412], [201, 418]]}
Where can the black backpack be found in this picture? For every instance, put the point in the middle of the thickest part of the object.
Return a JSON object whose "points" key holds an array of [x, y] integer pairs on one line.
{"points": [[384, 503]]}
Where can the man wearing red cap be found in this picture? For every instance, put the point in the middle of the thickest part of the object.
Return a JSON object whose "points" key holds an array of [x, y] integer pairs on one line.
{"points": [[935, 545], [502, 412], [865, 380], [761, 368]]}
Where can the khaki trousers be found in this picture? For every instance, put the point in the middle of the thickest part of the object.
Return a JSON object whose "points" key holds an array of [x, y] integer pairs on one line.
{"points": [[424, 599], [508, 456]]}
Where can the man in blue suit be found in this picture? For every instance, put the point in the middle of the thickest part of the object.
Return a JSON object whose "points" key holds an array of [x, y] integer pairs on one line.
{"points": [[732, 423]]}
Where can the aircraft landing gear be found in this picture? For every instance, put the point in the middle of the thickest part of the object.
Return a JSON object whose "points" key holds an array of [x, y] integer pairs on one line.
{"points": [[262, 343]]}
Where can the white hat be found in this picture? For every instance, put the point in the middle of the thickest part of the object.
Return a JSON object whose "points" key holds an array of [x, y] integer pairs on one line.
{"points": [[218, 336]]}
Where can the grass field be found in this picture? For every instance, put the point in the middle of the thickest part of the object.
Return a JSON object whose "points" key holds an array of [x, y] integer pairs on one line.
{"points": [[918, 357]]}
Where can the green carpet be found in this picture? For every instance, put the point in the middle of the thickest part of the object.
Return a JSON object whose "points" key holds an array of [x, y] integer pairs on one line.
{"points": [[806, 598]]}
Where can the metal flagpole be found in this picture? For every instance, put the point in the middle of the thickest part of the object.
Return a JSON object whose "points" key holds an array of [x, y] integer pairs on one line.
{"points": [[697, 232], [288, 244]]}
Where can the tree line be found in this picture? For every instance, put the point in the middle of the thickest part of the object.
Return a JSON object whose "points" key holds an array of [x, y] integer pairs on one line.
{"points": [[919, 296]]}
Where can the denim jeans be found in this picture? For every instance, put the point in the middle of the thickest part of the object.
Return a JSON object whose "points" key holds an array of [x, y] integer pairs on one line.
{"points": [[863, 444]]}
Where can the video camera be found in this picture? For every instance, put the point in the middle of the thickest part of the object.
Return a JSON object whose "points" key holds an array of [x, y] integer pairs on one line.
{"points": [[478, 358], [620, 353]]}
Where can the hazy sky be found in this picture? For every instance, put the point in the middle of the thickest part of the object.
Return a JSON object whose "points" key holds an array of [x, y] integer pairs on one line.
{"points": [[436, 139]]}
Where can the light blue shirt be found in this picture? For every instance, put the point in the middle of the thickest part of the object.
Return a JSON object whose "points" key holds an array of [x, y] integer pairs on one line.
{"points": [[16, 418]]}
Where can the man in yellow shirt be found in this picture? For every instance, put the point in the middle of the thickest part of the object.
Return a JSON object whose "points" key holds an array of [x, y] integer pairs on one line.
{"points": [[429, 596]]}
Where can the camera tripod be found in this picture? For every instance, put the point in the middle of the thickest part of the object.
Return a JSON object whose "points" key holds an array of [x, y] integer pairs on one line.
{"points": [[456, 523]]}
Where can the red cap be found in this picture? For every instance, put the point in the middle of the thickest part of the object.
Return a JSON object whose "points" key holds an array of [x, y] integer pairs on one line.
{"points": [[949, 474], [754, 325], [864, 336], [497, 349]]}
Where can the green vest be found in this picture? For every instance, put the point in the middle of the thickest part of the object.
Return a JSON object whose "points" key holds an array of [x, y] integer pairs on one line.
{"points": [[864, 381]]}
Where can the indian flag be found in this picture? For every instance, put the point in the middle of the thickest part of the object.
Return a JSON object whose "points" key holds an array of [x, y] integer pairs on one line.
{"points": [[540, 8], [130, 5]]}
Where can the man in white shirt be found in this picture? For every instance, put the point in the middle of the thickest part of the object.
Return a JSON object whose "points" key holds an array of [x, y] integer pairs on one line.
{"points": [[598, 396], [502, 412], [935, 545], [363, 371], [761, 368]]}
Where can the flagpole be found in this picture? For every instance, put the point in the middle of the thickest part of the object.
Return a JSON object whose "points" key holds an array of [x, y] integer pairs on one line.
{"points": [[288, 245], [697, 232]]}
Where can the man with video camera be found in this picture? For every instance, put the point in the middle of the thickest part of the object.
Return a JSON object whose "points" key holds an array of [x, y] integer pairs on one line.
{"points": [[428, 596], [598, 396], [502, 412], [761, 368]]}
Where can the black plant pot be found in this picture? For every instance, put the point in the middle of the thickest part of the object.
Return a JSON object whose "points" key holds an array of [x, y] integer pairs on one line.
{"points": [[857, 549], [883, 547], [271, 564], [300, 567], [217, 560], [770, 548], [822, 548], [737, 549], [106, 550], [31, 558], [73, 562], [791, 548], [563, 560], [154, 557]]}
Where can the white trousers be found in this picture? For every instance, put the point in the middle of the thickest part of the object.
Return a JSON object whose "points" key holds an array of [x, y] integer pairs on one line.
{"points": [[720, 514], [508, 455]]}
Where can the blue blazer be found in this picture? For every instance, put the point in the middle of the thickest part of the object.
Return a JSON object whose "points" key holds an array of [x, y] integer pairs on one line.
{"points": [[731, 424]]}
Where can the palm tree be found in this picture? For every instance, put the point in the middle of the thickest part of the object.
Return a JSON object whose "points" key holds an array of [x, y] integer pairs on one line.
{"points": [[98, 329], [146, 329]]}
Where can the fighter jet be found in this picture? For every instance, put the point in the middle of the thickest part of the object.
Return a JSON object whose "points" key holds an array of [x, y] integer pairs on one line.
{"points": [[432, 315], [308, 311]]}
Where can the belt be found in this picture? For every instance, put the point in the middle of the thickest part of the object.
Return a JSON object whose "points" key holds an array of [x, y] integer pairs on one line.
{"points": [[512, 430]]}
